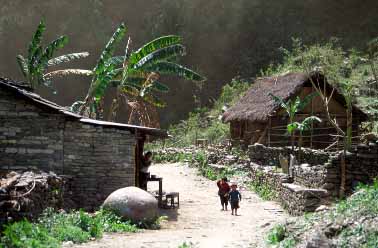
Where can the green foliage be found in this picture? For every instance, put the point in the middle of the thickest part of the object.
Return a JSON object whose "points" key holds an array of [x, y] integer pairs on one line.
{"points": [[358, 213], [23, 234], [206, 123], [276, 234], [292, 108], [136, 73], [35, 65], [53, 228], [186, 245], [262, 188], [352, 72]]}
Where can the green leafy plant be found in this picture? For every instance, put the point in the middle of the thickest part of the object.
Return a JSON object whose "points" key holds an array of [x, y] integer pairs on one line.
{"points": [[135, 75], [276, 234], [303, 126], [292, 107], [25, 234], [52, 228], [34, 66], [186, 245]]}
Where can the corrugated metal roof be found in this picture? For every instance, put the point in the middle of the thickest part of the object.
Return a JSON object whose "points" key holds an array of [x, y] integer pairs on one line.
{"points": [[22, 92]]}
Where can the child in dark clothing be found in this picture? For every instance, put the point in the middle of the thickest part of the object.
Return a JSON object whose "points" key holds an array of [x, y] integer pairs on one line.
{"points": [[234, 197], [223, 190]]}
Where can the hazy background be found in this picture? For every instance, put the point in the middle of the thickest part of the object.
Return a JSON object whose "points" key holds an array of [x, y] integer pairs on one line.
{"points": [[224, 38]]}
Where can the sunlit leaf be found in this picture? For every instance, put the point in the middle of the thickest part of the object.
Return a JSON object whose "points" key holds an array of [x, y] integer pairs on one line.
{"points": [[168, 68], [22, 65], [158, 43], [67, 58], [160, 55]]}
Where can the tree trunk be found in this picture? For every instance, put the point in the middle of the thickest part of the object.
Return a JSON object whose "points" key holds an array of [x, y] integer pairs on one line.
{"points": [[343, 171]]}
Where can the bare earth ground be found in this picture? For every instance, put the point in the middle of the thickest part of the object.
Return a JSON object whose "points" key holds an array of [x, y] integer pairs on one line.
{"points": [[199, 219]]}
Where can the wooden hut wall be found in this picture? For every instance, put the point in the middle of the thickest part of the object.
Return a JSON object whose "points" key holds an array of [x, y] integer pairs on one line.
{"points": [[323, 134], [246, 131]]}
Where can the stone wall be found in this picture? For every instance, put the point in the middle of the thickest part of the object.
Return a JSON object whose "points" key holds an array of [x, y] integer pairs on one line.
{"points": [[100, 159], [298, 199], [318, 180], [263, 155], [30, 137], [97, 160]]}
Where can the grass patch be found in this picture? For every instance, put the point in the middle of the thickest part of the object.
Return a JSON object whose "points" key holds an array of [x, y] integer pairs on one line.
{"points": [[262, 188], [53, 228], [264, 191]]}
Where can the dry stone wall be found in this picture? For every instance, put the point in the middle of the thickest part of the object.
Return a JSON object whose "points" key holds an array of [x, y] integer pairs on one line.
{"points": [[269, 156], [317, 180], [96, 160], [101, 160], [30, 137]]}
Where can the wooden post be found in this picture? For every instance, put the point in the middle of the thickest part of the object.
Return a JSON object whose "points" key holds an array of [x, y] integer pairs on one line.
{"points": [[269, 126], [312, 113]]}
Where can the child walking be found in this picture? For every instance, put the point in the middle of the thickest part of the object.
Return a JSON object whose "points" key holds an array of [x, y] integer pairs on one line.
{"points": [[235, 198], [223, 190]]}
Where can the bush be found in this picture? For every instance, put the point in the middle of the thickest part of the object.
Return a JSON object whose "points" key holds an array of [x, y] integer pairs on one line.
{"points": [[53, 228], [276, 234], [25, 234]]}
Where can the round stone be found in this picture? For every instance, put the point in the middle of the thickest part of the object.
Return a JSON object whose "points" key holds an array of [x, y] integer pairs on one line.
{"points": [[133, 203]]}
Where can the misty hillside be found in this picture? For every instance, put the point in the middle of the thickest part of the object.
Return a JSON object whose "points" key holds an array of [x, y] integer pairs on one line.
{"points": [[223, 38]]}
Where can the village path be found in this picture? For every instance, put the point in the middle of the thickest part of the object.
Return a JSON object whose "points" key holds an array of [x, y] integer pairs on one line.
{"points": [[199, 220]]}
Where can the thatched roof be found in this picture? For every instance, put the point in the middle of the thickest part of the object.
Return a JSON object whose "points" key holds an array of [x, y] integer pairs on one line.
{"points": [[256, 105]]}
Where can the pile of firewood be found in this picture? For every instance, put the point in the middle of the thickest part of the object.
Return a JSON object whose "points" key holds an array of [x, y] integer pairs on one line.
{"points": [[27, 194]]}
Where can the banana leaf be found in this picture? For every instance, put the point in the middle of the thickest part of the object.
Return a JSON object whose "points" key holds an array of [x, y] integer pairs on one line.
{"points": [[23, 65], [158, 43], [160, 55], [67, 58], [108, 51], [168, 68], [36, 40], [49, 51]]}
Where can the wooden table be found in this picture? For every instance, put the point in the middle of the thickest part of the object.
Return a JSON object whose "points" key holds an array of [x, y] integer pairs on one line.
{"points": [[160, 180]]}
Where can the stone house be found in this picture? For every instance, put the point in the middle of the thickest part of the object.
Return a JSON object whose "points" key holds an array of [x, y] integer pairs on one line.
{"points": [[98, 157], [256, 118]]}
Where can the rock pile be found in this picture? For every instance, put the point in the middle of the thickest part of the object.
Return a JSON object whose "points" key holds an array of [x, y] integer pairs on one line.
{"points": [[26, 195]]}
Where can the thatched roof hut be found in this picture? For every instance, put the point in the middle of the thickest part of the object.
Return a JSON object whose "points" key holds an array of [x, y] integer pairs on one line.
{"points": [[256, 112]]}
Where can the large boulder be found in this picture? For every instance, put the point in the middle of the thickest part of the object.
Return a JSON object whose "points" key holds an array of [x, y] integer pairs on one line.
{"points": [[133, 203]]}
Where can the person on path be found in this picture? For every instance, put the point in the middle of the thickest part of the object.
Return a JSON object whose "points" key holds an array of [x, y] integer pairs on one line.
{"points": [[234, 197], [144, 174], [223, 190]]}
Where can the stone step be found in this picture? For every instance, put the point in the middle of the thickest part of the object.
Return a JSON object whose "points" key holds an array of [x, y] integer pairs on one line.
{"points": [[306, 192]]}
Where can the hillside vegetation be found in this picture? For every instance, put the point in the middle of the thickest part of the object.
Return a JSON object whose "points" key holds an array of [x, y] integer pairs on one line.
{"points": [[355, 68], [350, 223]]}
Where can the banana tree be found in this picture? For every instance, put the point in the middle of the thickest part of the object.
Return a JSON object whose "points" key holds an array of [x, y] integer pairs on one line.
{"points": [[135, 74], [305, 125], [34, 67], [292, 107]]}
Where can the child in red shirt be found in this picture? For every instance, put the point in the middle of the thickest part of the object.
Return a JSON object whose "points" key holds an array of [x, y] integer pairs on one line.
{"points": [[223, 190]]}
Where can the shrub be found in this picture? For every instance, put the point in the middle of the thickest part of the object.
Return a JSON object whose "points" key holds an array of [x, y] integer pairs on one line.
{"points": [[276, 234], [25, 234], [53, 228]]}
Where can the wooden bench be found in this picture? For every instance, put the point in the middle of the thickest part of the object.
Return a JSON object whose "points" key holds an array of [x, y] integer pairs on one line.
{"points": [[170, 200]]}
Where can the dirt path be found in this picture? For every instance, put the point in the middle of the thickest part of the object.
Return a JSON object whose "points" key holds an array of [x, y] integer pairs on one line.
{"points": [[199, 219]]}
